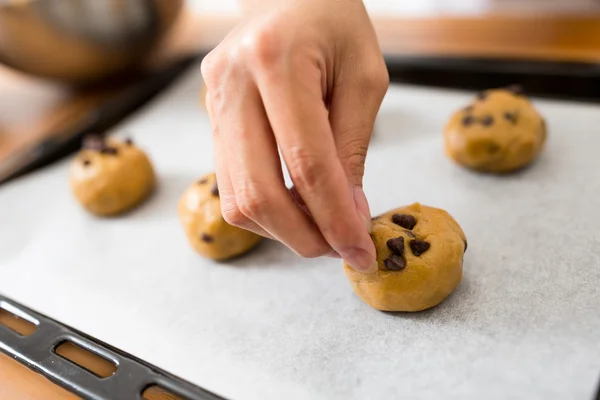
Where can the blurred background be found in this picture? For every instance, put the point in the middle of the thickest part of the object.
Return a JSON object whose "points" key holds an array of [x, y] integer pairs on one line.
{"points": [[71, 67]]}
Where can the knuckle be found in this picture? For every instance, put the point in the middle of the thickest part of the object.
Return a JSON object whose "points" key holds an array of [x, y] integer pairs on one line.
{"points": [[209, 67], [252, 203], [233, 215], [262, 47], [377, 78], [307, 170], [353, 155]]}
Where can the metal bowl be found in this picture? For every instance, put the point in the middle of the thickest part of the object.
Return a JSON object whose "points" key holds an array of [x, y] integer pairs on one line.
{"points": [[81, 41]]}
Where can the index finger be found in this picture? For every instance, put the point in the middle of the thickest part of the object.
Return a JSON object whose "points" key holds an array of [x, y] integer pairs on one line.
{"points": [[293, 102]]}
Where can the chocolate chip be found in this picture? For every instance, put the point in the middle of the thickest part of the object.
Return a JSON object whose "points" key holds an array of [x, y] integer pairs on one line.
{"points": [[517, 90], [482, 96], [215, 190], [488, 120], [394, 263], [202, 181], [419, 247], [468, 120], [110, 151], [410, 234], [86, 162], [206, 238], [466, 245], [511, 117], [396, 245], [129, 142], [404, 220]]}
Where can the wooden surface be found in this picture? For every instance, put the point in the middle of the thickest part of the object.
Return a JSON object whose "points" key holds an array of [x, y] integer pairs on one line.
{"points": [[31, 108]]}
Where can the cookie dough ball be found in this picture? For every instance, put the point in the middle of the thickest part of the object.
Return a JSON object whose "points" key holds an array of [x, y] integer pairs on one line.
{"points": [[205, 228], [420, 256], [110, 176], [499, 132]]}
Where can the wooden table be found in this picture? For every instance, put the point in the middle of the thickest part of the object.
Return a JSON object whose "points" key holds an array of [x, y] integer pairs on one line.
{"points": [[32, 108]]}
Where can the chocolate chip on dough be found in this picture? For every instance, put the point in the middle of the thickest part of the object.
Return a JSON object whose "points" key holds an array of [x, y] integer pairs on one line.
{"points": [[404, 220], [419, 247], [510, 117], [206, 238], [394, 263], [468, 120], [396, 245], [110, 151], [129, 142], [488, 120], [202, 181]]}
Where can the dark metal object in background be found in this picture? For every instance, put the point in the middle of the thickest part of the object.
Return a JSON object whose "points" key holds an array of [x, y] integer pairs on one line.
{"points": [[133, 375], [561, 80], [98, 121], [80, 41]]}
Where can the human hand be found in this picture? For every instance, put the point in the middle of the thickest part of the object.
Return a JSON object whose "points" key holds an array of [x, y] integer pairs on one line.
{"points": [[306, 77]]}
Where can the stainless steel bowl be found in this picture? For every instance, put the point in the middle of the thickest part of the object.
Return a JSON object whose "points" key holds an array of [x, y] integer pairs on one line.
{"points": [[81, 40]]}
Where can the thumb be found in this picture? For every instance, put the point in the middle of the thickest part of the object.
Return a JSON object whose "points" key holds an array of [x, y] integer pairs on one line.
{"points": [[354, 104]]}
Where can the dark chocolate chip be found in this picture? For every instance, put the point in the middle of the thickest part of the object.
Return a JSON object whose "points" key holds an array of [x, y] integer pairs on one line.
{"points": [[404, 220], [394, 263], [86, 162], [468, 120], [215, 190], [129, 142], [202, 181], [482, 96], [206, 238], [517, 90], [511, 117], [110, 151], [466, 245], [419, 247], [396, 245], [410, 234], [488, 120]]}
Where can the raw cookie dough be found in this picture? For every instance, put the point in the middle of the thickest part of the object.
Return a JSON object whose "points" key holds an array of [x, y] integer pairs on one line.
{"points": [[205, 228], [420, 256], [500, 131], [110, 176]]}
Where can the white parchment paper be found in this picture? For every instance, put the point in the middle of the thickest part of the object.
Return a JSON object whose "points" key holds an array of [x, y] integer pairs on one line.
{"points": [[524, 323]]}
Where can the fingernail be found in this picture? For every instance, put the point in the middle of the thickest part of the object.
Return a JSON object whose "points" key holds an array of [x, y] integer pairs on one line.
{"points": [[360, 259]]}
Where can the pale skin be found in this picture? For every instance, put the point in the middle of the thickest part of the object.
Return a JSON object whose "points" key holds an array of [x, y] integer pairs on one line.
{"points": [[307, 77]]}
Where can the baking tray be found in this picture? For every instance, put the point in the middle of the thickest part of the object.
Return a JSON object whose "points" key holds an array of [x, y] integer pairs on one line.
{"points": [[132, 377], [522, 324]]}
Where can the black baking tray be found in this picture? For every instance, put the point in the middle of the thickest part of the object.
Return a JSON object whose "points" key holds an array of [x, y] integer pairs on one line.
{"points": [[558, 80], [131, 378]]}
